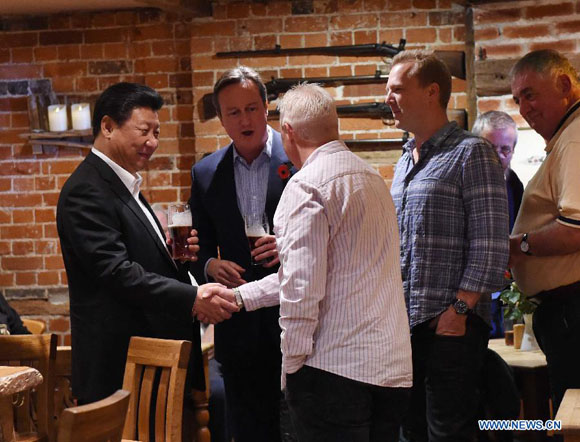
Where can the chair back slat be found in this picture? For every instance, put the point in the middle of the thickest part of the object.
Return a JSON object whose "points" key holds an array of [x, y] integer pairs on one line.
{"points": [[101, 421], [156, 354], [161, 405], [38, 351]]}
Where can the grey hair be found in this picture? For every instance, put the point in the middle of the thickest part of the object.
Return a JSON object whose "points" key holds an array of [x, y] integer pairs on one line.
{"points": [[311, 112], [495, 120], [546, 61], [240, 74]]}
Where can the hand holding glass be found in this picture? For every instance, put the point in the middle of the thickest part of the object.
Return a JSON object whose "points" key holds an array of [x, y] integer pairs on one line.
{"points": [[257, 226], [179, 226]]}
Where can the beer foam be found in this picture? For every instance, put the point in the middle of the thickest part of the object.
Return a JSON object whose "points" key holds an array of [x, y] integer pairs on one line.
{"points": [[255, 231], [181, 219]]}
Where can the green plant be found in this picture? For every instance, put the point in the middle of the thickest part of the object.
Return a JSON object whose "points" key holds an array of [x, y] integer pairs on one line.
{"points": [[516, 303]]}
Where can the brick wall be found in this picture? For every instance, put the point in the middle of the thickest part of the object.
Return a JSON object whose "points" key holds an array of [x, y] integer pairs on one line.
{"points": [[79, 55]]}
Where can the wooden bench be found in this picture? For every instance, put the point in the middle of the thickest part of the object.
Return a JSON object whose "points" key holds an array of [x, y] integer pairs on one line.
{"points": [[569, 415]]}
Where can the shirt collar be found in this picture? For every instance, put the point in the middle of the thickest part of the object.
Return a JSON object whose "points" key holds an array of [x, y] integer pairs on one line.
{"points": [[328, 148], [563, 124], [131, 182], [436, 139], [267, 150]]}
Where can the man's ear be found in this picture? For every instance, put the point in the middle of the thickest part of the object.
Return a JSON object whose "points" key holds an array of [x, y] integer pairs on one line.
{"points": [[433, 91], [107, 126], [564, 84]]}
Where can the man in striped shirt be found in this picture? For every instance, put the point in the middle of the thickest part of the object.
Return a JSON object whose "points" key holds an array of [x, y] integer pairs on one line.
{"points": [[451, 203], [346, 361]]}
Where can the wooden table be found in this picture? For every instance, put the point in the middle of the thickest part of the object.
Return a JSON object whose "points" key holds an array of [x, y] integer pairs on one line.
{"points": [[531, 375], [569, 415], [13, 380]]}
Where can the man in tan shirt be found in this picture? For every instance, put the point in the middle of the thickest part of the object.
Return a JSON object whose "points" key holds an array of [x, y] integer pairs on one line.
{"points": [[545, 244]]}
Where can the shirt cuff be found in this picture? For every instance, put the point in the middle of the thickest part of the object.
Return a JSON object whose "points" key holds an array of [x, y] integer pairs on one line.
{"points": [[293, 363], [262, 293], [206, 276]]}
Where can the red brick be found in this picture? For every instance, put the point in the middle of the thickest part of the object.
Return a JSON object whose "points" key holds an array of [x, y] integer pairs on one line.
{"points": [[21, 263], [50, 198], [355, 21], [313, 40], [486, 34], [66, 339], [18, 39], [53, 262], [341, 38], [86, 84], [398, 5], [264, 41], [5, 184], [238, 10], [421, 35], [102, 19], [49, 230], [543, 11], [92, 52], [44, 215], [504, 50], [305, 24], [459, 34], [20, 120], [19, 200], [157, 81], [25, 279], [365, 37], [21, 71], [425, 4], [568, 27], [261, 25], [59, 22], [163, 47], [23, 184], [221, 28], [6, 279], [59, 325], [152, 32], [47, 278], [152, 65], [526, 31], [22, 247], [159, 179], [108, 36], [403, 19], [488, 104], [22, 55], [125, 18], [45, 53], [560, 45], [65, 69], [50, 38], [4, 55], [495, 15]]}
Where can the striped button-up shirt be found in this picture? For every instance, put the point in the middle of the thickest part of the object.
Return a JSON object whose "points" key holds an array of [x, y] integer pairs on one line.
{"points": [[339, 286], [453, 222]]}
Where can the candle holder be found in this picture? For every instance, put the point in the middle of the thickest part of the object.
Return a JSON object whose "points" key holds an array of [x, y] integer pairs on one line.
{"points": [[81, 116], [57, 118]]}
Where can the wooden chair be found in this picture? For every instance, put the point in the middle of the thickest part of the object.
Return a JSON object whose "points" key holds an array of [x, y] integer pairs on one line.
{"points": [[147, 356], [569, 415], [101, 421], [34, 327], [34, 413]]}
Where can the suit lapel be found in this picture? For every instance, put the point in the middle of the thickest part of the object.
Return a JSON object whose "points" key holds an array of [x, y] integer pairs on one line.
{"points": [[275, 183], [125, 196]]}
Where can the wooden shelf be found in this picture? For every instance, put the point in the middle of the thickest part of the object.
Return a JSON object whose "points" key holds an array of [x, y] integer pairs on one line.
{"points": [[38, 139]]}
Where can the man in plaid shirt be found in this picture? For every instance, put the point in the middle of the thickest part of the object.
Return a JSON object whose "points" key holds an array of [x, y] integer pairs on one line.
{"points": [[450, 196]]}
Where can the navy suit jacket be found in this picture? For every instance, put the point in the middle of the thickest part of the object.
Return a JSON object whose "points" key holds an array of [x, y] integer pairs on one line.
{"points": [[247, 336], [122, 282]]}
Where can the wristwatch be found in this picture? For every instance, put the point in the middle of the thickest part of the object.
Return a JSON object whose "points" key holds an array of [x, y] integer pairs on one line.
{"points": [[461, 307], [239, 299], [525, 245]]}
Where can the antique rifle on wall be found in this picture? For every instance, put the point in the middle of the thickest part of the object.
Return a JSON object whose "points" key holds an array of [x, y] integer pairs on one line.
{"points": [[377, 144], [277, 86], [382, 111], [455, 60]]}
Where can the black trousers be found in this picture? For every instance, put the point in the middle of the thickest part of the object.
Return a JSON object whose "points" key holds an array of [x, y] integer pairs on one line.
{"points": [[446, 377], [556, 324], [253, 402], [326, 407]]}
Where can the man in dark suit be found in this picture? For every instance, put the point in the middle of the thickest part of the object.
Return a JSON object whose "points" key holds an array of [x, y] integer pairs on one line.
{"points": [[122, 279], [225, 186]]}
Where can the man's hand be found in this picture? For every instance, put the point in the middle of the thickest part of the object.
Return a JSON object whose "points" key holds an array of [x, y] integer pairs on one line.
{"points": [[451, 323], [226, 272], [266, 249], [516, 254], [214, 303], [192, 241]]}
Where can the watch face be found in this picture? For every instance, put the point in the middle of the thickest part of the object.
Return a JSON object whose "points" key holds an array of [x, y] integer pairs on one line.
{"points": [[461, 307], [524, 246]]}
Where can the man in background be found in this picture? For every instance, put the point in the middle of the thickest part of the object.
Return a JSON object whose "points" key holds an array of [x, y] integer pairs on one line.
{"points": [[545, 242], [449, 192], [225, 186]]}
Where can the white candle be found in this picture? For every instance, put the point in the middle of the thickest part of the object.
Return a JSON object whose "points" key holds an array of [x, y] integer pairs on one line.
{"points": [[81, 116], [57, 119]]}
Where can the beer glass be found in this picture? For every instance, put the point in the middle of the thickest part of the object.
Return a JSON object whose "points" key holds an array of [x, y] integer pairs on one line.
{"points": [[257, 226], [179, 226]]}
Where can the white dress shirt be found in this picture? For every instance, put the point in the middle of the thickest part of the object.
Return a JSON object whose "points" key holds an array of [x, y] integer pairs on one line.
{"points": [[133, 184], [339, 285]]}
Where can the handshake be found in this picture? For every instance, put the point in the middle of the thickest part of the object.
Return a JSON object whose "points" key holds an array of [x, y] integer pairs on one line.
{"points": [[214, 303]]}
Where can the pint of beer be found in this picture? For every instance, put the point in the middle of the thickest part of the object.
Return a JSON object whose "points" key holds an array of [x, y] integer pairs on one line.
{"points": [[179, 226], [256, 227]]}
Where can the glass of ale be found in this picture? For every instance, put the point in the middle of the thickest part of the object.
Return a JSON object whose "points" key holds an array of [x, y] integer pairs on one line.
{"points": [[257, 226], [179, 226]]}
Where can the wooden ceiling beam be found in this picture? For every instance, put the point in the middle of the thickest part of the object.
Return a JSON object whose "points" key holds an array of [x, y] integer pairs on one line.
{"points": [[188, 8]]}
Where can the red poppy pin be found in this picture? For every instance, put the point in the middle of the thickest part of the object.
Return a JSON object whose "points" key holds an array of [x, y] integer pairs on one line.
{"points": [[284, 171]]}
